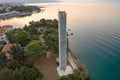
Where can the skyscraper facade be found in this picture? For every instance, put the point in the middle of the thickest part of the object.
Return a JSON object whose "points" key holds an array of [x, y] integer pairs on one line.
{"points": [[62, 40]]}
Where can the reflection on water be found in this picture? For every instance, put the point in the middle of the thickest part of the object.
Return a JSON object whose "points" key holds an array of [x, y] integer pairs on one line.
{"points": [[96, 39]]}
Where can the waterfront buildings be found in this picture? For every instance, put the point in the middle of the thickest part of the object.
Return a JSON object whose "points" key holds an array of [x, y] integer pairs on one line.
{"points": [[9, 14], [4, 29], [3, 37]]}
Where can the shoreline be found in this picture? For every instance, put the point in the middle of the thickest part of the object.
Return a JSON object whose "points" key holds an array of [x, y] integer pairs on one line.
{"points": [[76, 63]]}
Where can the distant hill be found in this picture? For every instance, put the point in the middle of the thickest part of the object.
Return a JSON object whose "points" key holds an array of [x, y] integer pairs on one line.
{"points": [[27, 1]]}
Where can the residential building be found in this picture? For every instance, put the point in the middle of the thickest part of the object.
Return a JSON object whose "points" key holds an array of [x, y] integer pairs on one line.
{"points": [[4, 29], [6, 50]]}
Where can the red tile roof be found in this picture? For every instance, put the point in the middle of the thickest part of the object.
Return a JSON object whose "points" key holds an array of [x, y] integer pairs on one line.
{"points": [[2, 31], [8, 46], [4, 28]]}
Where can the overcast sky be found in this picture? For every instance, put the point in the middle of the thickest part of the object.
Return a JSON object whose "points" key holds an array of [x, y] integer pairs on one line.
{"points": [[28, 1], [90, 0]]}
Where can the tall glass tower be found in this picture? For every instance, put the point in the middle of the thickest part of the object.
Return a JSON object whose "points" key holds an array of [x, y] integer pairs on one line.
{"points": [[62, 40]]}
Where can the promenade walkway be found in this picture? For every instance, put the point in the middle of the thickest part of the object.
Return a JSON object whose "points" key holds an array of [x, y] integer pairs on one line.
{"points": [[70, 59]]}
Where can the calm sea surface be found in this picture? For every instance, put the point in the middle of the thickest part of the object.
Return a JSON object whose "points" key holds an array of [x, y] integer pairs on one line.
{"points": [[96, 39]]}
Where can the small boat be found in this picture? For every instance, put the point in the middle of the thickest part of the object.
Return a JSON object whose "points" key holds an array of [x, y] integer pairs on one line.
{"points": [[71, 33], [69, 30]]}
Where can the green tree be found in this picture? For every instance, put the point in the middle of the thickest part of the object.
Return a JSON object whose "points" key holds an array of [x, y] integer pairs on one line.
{"points": [[33, 30], [25, 73], [17, 53], [35, 37], [3, 59], [22, 37], [35, 50], [11, 35], [6, 74], [51, 39], [52, 23], [13, 64], [1, 47], [36, 24], [43, 22], [22, 73], [77, 75]]}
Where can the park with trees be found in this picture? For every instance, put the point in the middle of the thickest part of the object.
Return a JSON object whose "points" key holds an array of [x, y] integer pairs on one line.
{"points": [[22, 65], [31, 48]]}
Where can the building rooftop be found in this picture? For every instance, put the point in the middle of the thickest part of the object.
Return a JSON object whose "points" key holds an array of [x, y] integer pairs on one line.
{"points": [[8, 46], [5, 28], [63, 12]]}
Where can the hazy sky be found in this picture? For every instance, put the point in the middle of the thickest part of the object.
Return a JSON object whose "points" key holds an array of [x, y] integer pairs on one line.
{"points": [[90, 0], [27, 1]]}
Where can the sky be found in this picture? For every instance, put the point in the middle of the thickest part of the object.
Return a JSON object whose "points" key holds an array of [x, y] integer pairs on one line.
{"points": [[90, 0], [42, 1]]}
